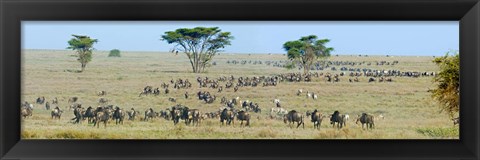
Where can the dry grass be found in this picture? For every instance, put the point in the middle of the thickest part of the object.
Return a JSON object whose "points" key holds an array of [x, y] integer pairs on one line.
{"points": [[409, 111]]}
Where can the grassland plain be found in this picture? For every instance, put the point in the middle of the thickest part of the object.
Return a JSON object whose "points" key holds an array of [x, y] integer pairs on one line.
{"points": [[410, 112]]}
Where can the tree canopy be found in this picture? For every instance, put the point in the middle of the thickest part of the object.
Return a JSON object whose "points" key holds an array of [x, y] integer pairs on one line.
{"points": [[83, 45], [200, 44], [447, 91], [306, 50]]}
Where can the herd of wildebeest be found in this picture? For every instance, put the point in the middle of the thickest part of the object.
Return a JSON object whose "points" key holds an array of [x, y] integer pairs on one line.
{"points": [[231, 108]]}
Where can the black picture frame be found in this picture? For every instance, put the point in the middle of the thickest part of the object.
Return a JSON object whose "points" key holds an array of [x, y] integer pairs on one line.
{"points": [[12, 12]]}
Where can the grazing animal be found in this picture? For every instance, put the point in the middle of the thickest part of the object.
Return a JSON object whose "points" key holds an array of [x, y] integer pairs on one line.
{"points": [[72, 99], [243, 116], [40, 100], [186, 95], [102, 100], [132, 114], [101, 115], [316, 118], [26, 112], [299, 92], [292, 117], [102, 93], [456, 121], [77, 112], [339, 119], [89, 114], [56, 113], [171, 99], [235, 89], [366, 119], [191, 115], [55, 100], [149, 114], [176, 115], [47, 106], [227, 116], [167, 91], [118, 115]]}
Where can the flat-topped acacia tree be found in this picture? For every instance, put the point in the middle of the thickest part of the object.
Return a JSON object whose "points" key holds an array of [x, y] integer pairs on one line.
{"points": [[200, 44], [306, 50], [83, 45]]}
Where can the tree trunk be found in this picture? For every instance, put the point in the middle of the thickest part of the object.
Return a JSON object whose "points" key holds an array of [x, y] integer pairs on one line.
{"points": [[83, 67]]}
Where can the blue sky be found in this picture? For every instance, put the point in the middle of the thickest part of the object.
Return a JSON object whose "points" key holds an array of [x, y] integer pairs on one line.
{"points": [[347, 37]]}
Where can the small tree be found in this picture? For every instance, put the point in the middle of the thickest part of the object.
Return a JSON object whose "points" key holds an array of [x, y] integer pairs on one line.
{"points": [[447, 91], [200, 44], [83, 45], [306, 50], [114, 53]]}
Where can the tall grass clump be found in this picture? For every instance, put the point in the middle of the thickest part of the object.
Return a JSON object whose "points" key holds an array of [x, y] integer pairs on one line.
{"points": [[439, 132]]}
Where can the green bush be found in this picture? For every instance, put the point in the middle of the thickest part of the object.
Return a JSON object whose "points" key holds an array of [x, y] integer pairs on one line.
{"points": [[114, 53]]}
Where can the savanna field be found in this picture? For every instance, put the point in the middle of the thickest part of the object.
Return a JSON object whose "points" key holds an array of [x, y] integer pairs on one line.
{"points": [[409, 111]]}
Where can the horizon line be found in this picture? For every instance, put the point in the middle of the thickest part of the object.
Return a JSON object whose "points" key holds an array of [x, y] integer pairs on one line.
{"points": [[332, 55]]}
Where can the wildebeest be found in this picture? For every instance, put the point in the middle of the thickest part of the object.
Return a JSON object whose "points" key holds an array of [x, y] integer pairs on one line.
{"points": [[186, 95], [339, 119], [277, 103], [102, 100], [243, 116], [101, 115], [132, 114], [292, 117], [26, 112], [171, 99], [40, 100], [72, 99], [176, 115], [149, 114], [77, 112], [101, 93], [227, 116], [47, 106], [366, 119], [89, 114], [56, 113], [316, 118], [55, 100], [191, 115], [456, 121], [156, 91], [167, 91], [118, 115]]}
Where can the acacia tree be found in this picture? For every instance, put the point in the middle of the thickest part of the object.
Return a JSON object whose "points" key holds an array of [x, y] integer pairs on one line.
{"points": [[447, 91], [306, 50], [83, 45], [200, 44]]}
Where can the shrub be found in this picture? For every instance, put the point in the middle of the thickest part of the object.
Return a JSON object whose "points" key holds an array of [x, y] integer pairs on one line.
{"points": [[114, 53]]}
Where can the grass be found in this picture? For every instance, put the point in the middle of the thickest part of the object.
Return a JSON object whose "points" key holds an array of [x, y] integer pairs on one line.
{"points": [[409, 111]]}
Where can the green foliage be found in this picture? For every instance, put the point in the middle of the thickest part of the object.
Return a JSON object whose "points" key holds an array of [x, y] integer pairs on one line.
{"points": [[114, 53], [447, 91], [306, 50], [83, 45], [200, 44], [290, 65]]}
